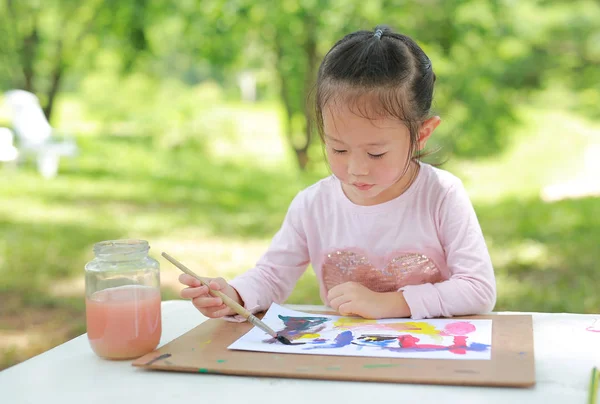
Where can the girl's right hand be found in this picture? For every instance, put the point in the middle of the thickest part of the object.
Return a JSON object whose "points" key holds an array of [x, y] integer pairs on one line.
{"points": [[206, 303]]}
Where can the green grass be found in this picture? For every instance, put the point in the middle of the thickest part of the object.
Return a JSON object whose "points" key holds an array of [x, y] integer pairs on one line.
{"points": [[545, 253], [216, 205]]}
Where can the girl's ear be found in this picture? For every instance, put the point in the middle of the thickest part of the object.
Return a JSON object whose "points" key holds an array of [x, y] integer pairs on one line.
{"points": [[427, 129]]}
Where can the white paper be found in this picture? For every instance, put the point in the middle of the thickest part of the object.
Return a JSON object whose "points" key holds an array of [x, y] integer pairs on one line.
{"points": [[387, 338]]}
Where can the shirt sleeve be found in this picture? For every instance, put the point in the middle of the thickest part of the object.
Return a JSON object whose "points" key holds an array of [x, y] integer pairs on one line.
{"points": [[471, 287], [275, 274]]}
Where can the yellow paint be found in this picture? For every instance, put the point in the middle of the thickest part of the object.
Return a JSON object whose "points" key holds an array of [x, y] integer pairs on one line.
{"points": [[309, 336], [207, 342], [412, 327], [346, 322], [418, 328], [415, 328]]}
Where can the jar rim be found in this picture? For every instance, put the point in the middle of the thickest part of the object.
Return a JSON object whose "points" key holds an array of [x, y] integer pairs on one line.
{"points": [[121, 246]]}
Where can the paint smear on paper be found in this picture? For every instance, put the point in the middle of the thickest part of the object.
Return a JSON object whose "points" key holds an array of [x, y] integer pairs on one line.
{"points": [[309, 336], [351, 336]]}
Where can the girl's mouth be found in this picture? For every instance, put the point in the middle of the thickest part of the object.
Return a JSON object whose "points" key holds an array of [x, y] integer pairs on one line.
{"points": [[363, 187]]}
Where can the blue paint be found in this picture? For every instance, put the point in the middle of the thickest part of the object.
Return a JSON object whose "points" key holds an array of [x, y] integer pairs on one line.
{"points": [[343, 339], [477, 347], [301, 325], [296, 327]]}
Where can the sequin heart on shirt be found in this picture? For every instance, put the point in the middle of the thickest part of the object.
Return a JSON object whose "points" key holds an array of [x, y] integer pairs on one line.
{"points": [[406, 269]]}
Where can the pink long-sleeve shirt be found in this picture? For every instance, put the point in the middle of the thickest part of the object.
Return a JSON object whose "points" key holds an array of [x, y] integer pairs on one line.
{"points": [[426, 243]]}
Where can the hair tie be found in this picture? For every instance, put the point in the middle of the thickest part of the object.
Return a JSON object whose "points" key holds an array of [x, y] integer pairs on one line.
{"points": [[378, 33]]}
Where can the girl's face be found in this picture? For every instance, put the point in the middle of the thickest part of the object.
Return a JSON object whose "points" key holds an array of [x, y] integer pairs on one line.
{"points": [[369, 156]]}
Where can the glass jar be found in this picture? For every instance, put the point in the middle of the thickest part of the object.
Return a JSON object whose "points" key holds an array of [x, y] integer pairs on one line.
{"points": [[122, 296]]}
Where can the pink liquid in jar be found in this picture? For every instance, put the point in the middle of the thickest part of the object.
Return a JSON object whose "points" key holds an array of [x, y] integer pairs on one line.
{"points": [[124, 322]]}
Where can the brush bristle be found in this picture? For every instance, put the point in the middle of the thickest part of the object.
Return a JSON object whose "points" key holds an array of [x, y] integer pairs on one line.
{"points": [[283, 340], [286, 341]]}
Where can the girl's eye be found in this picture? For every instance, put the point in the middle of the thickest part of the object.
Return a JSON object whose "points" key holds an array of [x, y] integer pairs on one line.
{"points": [[338, 151], [376, 156]]}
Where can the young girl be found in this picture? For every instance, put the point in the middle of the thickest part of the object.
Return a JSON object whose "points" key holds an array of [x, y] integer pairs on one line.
{"points": [[387, 235]]}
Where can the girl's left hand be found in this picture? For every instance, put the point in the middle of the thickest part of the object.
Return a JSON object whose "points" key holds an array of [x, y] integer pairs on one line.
{"points": [[353, 298]]}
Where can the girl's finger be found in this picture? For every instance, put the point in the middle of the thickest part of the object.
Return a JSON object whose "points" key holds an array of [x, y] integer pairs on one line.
{"points": [[345, 309], [220, 311], [214, 285], [207, 302], [189, 280], [191, 293], [335, 291], [338, 301]]}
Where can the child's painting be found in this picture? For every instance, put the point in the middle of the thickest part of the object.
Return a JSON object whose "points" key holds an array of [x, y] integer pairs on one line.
{"points": [[391, 338]]}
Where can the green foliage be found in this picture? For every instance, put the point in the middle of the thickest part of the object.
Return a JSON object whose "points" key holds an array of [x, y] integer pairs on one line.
{"points": [[489, 55], [44, 41], [166, 111]]}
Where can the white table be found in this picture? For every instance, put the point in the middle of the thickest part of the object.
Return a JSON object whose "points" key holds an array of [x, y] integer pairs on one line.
{"points": [[566, 349]]}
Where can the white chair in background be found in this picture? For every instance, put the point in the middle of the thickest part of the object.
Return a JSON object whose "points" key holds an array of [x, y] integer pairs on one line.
{"points": [[8, 151], [35, 137]]}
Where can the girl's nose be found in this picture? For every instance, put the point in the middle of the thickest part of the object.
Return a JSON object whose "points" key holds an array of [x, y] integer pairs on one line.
{"points": [[358, 165]]}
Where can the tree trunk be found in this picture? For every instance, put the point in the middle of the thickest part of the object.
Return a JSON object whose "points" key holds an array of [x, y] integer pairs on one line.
{"points": [[285, 93], [310, 50], [28, 53], [55, 80], [54, 87]]}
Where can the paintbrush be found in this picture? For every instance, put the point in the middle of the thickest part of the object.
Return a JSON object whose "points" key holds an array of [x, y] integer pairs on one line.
{"points": [[229, 302]]}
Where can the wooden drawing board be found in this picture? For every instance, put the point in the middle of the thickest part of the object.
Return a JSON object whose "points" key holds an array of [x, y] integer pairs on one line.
{"points": [[204, 350]]}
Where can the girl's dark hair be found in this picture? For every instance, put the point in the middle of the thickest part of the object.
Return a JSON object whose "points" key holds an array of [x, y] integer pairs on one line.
{"points": [[388, 68]]}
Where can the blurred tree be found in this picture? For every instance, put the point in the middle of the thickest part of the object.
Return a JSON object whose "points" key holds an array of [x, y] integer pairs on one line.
{"points": [[287, 37], [572, 33], [489, 55], [43, 40], [492, 55]]}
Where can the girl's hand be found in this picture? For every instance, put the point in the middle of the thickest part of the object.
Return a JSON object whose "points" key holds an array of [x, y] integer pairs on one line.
{"points": [[352, 298], [206, 303]]}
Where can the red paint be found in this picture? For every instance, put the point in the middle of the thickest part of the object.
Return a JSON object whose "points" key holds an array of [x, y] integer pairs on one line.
{"points": [[408, 341], [458, 328], [459, 346]]}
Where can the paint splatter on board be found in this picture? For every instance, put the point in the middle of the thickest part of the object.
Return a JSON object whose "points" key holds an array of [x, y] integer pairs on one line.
{"points": [[595, 327], [158, 358]]}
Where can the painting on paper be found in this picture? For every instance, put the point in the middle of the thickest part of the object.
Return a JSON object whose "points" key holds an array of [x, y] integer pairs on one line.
{"points": [[352, 336]]}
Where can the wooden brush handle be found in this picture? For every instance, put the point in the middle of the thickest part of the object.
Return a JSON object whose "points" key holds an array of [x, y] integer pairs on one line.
{"points": [[229, 302], [226, 299]]}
